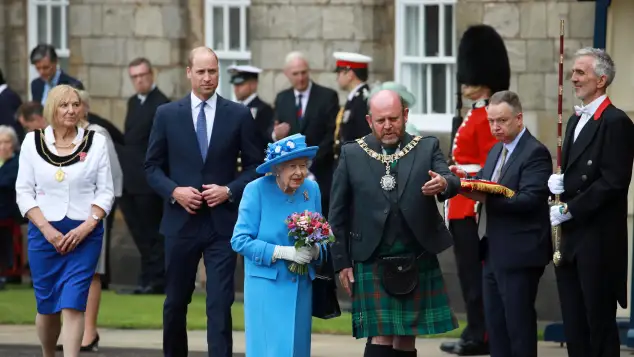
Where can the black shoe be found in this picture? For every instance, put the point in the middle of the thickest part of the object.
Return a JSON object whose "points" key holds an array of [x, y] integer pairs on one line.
{"points": [[466, 348], [92, 347], [378, 351]]}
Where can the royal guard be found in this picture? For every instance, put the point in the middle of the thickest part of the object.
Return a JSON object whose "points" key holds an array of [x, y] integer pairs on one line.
{"points": [[245, 86], [483, 69], [352, 74]]}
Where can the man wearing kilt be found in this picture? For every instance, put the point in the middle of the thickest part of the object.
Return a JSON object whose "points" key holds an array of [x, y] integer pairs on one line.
{"points": [[389, 230]]}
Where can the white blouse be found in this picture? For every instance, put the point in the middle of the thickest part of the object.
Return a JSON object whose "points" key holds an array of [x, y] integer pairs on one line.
{"points": [[85, 183]]}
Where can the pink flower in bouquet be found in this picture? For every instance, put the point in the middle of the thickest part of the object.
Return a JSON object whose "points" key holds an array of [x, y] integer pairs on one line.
{"points": [[307, 229]]}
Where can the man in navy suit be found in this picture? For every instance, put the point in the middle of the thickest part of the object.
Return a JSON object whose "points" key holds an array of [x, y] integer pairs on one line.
{"points": [[190, 163], [514, 232], [44, 58]]}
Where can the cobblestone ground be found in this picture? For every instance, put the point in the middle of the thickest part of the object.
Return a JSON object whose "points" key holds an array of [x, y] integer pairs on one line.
{"points": [[33, 351]]}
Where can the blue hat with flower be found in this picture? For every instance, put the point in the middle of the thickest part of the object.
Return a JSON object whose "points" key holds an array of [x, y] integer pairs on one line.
{"points": [[289, 148]]}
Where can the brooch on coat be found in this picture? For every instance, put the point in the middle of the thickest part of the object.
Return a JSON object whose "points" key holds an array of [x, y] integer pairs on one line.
{"points": [[306, 196]]}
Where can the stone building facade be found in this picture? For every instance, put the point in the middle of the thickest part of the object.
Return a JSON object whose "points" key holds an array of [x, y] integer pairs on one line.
{"points": [[102, 36]]}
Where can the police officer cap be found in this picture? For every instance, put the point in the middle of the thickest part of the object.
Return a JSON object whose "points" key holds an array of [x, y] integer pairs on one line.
{"points": [[350, 60], [240, 74]]}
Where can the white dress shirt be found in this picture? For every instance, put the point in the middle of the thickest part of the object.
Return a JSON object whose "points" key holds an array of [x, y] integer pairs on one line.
{"points": [[249, 99], [305, 94], [587, 112], [509, 148], [85, 183], [210, 111]]}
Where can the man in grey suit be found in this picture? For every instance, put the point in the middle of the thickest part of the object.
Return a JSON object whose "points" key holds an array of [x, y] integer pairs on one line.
{"points": [[389, 231]]}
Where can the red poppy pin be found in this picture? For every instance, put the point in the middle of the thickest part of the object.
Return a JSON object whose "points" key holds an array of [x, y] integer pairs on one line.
{"points": [[82, 156]]}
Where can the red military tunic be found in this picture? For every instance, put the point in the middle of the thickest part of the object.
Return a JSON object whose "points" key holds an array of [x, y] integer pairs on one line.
{"points": [[471, 145]]}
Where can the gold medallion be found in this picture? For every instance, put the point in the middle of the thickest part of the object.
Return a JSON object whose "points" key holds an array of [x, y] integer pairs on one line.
{"points": [[59, 175]]}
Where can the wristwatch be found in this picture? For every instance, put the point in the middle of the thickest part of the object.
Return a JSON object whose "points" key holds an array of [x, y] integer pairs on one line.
{"points": [[95, 217], [230, 194]]}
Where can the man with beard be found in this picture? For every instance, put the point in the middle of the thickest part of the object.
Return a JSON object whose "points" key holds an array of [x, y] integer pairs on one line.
{"points": [[385, 253], [483, 69], [596, 164]]}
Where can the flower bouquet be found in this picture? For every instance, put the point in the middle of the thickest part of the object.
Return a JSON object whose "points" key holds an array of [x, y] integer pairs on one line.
{"points": [[307, 229]]}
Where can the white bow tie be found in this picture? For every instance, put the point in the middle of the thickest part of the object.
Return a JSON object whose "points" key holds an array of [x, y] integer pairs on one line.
{"points": [[582, 110]]}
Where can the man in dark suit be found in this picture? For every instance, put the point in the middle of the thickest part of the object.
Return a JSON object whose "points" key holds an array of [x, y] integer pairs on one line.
{"points": [[44, 58], [309, 109], [245, 87], [191, 164], [30, 115], [597, 155], [514, 232], [141, 207], [352, 74], [10, 101], [385, 218]]}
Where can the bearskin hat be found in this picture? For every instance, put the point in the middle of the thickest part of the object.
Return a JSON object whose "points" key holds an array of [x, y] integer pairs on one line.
{"points": [[483, 60]]}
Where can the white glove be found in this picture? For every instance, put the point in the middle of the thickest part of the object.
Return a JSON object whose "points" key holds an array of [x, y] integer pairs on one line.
{"points": [[314, 251], [556, 184], [302, 255], [556, 217]]}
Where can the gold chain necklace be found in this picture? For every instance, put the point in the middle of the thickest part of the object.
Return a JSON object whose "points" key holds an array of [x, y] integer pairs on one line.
{"points": [[388, 182], [60, 174]]}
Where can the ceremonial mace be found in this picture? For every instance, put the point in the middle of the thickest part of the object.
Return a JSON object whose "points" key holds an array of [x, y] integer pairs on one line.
{"points": [[556, 231]]}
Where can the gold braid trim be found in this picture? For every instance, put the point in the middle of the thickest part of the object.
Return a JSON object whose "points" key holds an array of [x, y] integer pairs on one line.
{"points": [[471, 185]]}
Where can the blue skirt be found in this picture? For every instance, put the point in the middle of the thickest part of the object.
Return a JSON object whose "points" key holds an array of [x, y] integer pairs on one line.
{"points": [[62, 281]]}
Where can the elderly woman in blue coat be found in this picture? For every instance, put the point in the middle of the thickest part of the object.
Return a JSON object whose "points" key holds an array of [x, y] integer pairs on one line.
{"points": [[277, 302]]}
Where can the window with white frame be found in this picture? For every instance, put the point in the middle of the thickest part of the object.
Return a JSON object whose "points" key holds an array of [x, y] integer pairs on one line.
{"points": [[48, 23], [227, 33], [425, 60]]}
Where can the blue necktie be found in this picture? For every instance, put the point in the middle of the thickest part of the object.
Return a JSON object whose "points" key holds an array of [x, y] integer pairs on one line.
{"points": [[201, 131]]}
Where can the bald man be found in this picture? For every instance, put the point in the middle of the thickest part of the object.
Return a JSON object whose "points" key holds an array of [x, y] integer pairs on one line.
{"points": [[311, 110], [190, 163], [389, 231]]}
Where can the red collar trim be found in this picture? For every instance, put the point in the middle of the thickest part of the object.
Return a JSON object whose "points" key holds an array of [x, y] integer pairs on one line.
{"points": [[601, 108]]}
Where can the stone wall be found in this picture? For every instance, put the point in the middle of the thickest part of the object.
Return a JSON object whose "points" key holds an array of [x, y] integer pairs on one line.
{"points": [[13, 45], [531, 33], [105, 35], [319, 28]]}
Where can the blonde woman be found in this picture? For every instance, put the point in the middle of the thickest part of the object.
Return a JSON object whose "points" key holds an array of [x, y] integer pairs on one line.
{"points": [[90, 339], [64, 188]]}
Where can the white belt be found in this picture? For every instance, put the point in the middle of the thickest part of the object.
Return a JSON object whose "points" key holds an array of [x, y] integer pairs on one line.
{"points": [[470, 168]]}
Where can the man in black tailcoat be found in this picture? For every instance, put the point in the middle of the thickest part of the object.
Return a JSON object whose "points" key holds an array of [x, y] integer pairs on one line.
{"points": [[597, 155]]}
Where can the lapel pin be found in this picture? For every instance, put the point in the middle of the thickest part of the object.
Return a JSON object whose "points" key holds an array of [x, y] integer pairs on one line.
{"points": [[306, 196]]}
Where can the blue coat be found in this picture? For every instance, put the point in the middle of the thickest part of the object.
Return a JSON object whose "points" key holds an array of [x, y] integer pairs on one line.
{"points": [[277, 302]]}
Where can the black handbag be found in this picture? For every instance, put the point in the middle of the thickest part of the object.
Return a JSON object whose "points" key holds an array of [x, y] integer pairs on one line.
{"points": [[399, 274], [325, 302]]}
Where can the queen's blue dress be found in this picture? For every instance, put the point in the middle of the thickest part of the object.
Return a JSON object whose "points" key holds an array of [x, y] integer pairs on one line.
{"points": [[277, 302]]}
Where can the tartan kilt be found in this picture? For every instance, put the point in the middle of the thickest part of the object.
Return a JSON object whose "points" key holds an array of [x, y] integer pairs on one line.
{"points": [[425, 311]]}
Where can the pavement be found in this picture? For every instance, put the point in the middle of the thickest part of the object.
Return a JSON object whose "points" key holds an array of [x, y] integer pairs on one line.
{"points": [[21, 341]]}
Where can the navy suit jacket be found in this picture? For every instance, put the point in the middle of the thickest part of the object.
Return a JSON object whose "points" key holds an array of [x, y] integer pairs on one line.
{"points": [[37, 85], [173, 160], [518, 228]]}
